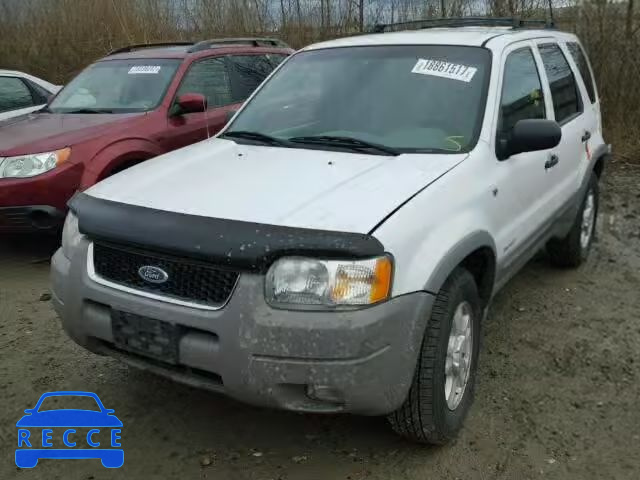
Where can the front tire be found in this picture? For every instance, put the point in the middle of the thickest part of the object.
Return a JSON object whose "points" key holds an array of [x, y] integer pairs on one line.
{"points": [[573, 250], [444, 381]]}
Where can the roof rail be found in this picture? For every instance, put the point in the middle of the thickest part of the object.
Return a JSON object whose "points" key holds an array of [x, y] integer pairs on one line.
{"points": [[139, 46], [512, 22], [253, 41]]}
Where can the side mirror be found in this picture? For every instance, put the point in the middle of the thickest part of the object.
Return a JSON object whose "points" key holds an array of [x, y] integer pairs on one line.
{"points": [[231, 114], [531, 135], [191, 103]]}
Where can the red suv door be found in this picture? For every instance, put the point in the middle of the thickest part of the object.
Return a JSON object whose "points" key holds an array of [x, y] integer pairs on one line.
{"points": [[225, 81]]}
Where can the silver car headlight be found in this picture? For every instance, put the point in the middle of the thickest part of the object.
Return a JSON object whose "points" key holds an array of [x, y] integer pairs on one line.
{"points": [[71, 235], [24, 166], [303, 281]]}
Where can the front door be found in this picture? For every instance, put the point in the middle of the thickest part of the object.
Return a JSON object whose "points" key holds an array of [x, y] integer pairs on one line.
{"points": [[208, 77], [523, 188]]}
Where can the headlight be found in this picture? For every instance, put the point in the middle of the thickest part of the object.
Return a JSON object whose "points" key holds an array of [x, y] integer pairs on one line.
{"points": [[31, 165], [70, 235], [329, 283]]}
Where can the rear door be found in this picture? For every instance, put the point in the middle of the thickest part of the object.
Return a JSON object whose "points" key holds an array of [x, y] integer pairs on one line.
{"points": [[592, 121], [16, 98], [568, 111]]}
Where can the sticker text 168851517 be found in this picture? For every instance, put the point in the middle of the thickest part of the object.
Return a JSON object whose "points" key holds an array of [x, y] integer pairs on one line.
{"points": [[440, 68]]}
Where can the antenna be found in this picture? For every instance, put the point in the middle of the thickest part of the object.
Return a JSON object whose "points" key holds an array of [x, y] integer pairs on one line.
{"points": [[551, 12]]}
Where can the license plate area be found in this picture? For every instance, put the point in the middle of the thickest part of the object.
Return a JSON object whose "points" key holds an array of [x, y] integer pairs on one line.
{"points": [[145, 336]]}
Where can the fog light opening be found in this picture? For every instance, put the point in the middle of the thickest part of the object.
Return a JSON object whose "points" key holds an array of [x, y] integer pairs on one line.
{"points": [[325, 393]]}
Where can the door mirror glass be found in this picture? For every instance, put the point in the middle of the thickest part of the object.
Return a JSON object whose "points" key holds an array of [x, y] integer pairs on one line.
{"points": [[532, 135], [191, 103]]}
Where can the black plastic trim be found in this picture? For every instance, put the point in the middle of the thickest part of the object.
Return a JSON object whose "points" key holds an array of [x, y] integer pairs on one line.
{"points": [[246, 246]]}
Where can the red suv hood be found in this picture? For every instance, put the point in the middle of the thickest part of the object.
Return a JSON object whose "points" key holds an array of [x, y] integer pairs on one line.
{"points": [[44, 132]]}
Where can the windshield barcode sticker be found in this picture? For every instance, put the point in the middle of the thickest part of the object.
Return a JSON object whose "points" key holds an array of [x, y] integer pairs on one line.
{"points": [[440, 68], [153, 69]]}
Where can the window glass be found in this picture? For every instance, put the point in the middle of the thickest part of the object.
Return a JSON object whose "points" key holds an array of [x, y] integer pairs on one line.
{"points": [[276, 58], [117, 86], [14, 94], [522, 96], [583, 66], [409, 97], [247, 72], [564, 92], [209, 78]]}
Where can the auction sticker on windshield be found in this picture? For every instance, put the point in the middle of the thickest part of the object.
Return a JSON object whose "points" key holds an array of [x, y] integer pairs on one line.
{"points": [[440, 68], [153, 69]]}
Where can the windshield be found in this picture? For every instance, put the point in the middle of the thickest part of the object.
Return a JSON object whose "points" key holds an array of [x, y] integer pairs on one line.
{"points": [[117, 86], [408, 98], [66, 402]]}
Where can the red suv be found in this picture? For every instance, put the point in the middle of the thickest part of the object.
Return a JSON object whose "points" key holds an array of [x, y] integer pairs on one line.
{"points": [[138, 102]]}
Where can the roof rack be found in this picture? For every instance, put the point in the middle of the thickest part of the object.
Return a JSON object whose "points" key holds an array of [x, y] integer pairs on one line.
{"points": [[140, 46], [512, 22], [253, 41]]}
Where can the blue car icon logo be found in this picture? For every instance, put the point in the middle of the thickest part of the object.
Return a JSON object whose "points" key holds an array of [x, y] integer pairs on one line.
{"points": [[69, 433]]}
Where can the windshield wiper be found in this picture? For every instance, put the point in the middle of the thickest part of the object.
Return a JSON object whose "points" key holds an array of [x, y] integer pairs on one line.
{"points": [[91, 110], [346, 142], [256, 137]]}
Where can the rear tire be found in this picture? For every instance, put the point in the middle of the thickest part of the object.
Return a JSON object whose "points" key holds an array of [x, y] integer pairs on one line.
{"points": [[434, 410], [572, 250]]}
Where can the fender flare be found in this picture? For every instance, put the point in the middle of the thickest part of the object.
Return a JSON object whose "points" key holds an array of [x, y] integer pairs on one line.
{"points": [[116, 154], [455, 256]]}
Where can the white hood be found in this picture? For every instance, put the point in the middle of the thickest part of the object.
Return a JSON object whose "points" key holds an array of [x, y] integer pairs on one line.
{"points": [[316, 189]]}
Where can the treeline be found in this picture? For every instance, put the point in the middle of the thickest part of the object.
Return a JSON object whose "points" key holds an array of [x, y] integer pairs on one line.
{"points": [[56, 38]]}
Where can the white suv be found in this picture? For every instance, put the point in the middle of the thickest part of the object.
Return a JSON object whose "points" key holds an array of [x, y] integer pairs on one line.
{"points": [[335, 249]]}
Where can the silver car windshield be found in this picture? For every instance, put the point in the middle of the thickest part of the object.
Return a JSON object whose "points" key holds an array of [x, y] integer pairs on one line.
{"points": [[406, 97]]}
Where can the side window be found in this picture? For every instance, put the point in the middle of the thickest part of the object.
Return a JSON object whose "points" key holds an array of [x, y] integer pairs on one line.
{"points": [[247, 72], [522, 96], [40, 95], [564, 91], [210, 78], [583, 66], [14, 94]]}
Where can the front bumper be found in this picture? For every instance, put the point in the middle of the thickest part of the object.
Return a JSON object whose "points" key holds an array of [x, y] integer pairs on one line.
{"points": [[32, 218], [360, 361], [37, 203]]}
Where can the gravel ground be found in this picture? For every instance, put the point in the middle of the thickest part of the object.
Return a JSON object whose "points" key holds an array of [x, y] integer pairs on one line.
{"points": [[557, 391]]}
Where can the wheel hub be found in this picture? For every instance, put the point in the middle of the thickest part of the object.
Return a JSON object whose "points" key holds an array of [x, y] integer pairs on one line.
{"points": [[588, 220], [459, 354]]}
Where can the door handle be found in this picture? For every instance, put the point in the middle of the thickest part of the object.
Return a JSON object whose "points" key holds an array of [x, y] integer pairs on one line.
{"points": [[551, 162], [586, 136]]}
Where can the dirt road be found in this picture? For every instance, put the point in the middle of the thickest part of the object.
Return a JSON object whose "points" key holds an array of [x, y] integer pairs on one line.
{"points": [[558, 389]]}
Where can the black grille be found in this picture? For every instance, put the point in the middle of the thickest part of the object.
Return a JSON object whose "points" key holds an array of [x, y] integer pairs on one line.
{"points": [[188, 280]]}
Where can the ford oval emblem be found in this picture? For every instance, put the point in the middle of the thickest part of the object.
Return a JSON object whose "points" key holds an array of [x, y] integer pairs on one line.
{"points": [[152, 274]]}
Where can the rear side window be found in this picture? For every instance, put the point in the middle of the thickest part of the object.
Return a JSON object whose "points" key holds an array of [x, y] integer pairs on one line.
{"points": [[522, 96], [14, 94], [210, 78], [247, 72], [583, 66], [564, 91]]}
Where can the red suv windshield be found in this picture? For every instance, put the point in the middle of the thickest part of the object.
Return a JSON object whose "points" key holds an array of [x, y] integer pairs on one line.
{"points": [[117, 86]]}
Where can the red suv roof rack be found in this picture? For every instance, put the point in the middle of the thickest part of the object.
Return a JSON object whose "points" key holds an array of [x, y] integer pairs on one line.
{"points": [[139, 46], [250, 41]]}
